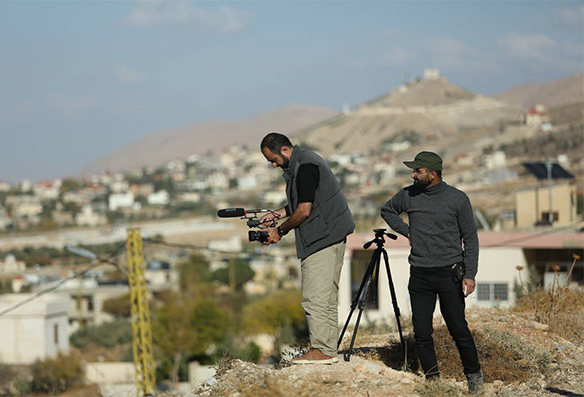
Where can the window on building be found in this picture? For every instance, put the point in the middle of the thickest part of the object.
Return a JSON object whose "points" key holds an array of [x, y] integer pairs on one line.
{"points": [[545, 216], [495, 292], [56, 333]]}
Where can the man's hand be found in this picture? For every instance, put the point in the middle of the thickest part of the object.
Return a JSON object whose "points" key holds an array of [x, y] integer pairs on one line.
{"points": [[273, 237], [468, 286], [272, 217]]}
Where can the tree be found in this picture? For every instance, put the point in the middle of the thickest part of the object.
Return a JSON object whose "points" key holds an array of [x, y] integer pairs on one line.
{"points": [[69, 185], [194, 271], [118, 306], [236, 274], [273, 311], [279, 314], [112, 334], [184, 327]]}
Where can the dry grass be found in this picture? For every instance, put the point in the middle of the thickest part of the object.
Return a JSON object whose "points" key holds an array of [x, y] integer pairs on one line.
{"points": [[437, 387], [562, 309], [570, 326], [503, 356]]}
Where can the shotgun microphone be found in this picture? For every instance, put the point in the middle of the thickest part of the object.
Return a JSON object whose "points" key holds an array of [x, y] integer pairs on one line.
{"points": [[238, 212]]}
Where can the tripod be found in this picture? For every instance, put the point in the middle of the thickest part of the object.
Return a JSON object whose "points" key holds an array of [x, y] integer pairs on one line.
{"points": [[361, 295]]}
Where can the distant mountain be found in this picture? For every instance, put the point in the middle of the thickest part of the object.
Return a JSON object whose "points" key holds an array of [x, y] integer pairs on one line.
{"points": [[166, 145], [430, 113], [552, 94]]}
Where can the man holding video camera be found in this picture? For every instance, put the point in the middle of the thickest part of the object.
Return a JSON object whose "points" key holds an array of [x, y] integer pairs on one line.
{"points": [[443, 258], [318, 212]]}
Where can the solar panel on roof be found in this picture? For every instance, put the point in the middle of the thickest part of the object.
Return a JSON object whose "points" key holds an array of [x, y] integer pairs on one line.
{"points": [[540, 171]]}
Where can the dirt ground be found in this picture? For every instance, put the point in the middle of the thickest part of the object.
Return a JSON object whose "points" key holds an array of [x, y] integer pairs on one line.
{"points": [[542, 364]]}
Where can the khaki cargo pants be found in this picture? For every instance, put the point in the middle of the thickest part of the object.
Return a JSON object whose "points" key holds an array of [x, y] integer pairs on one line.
{"points": [[321, 272]]}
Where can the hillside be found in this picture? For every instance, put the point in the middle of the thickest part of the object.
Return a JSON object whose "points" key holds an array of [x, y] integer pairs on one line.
{"points": [[431, 113], [519, 357], [162, 146], [552, 94], [427, 113]]}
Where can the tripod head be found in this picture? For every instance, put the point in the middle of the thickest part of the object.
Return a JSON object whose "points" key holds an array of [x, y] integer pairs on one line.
{"points": [[379, 238]]}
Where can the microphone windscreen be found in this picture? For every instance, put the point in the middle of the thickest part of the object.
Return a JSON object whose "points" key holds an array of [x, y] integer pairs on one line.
{"points": [[231, 213]]}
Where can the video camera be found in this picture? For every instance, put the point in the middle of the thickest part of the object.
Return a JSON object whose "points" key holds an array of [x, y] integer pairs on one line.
{"points": [[252, 221]]}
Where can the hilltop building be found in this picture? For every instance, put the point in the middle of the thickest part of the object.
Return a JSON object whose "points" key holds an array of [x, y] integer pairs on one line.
{"points": [[431, 74], [537, 115]]}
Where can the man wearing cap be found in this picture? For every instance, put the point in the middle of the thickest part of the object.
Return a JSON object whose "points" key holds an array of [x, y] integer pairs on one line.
{"points": [[443, 260]]}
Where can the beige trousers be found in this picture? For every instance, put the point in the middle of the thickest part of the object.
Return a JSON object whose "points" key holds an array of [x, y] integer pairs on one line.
{"points": [[321, 272]]}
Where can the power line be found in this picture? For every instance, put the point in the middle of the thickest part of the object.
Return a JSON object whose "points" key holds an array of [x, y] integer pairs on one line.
{"points": [[534, 235], [201, 248], [58, 284]]}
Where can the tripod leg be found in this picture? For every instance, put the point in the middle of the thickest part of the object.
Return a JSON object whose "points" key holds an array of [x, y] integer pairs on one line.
{"points": [[366, 277], [373, 266], [394, 303]]}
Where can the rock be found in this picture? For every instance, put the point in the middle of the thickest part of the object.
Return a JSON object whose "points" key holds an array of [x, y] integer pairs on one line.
{"points": [[539, 326]]}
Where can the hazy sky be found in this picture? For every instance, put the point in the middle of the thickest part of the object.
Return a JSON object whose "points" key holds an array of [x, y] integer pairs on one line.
{"points": [[79, 79]]}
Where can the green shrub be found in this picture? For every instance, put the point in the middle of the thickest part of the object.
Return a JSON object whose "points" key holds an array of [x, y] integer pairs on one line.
{"points": [[108, 335], [56, 375], [118, 306]]}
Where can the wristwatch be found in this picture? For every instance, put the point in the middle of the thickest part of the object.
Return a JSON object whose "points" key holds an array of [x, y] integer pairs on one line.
{"points": [[281, 233]]}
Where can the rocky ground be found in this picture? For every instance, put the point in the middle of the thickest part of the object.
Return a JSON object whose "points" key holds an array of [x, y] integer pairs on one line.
{"points": [[520, 357]]}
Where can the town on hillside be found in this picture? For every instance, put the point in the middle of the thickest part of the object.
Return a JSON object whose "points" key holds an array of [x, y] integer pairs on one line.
{"points": [[62, 242]]}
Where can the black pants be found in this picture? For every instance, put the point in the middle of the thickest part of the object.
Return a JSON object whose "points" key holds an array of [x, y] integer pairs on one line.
{"points": [[425, 284]]}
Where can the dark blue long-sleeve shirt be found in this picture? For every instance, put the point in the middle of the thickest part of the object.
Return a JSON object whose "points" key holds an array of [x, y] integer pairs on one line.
{"points": [[441, 229]]}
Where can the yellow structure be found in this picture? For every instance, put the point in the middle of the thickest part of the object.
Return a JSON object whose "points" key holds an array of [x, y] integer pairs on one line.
{"points": [[141, 330], [533, 205]]}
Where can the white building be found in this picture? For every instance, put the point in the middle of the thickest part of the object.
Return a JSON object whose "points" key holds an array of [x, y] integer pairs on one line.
{"points": [[159, 198], [431, 74], [499, 256], [87, 217], [27, 210], [189, 197], [120, 200], [37, 330], [494, 160], [48, 190], [11, 265], [119, 186]]}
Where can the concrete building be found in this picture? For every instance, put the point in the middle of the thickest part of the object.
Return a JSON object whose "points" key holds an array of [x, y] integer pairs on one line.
{"points": [[120, 200], [10, 265], [87, 217], [499, 256], [532, 206], [159, 198], [34, 331]]}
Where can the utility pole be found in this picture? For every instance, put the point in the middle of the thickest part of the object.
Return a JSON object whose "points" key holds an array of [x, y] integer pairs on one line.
{"points": [[549, 166], [141, 330]]}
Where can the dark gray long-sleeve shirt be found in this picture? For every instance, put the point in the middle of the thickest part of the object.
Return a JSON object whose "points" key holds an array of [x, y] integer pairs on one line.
{"points": [[441, 223]]}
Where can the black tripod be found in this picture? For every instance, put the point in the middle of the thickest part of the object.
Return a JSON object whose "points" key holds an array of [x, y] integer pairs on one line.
{"points": [[361, 295]]}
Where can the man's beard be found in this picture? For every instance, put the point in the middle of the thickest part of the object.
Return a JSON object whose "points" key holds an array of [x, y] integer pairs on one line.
{"points": [[285, 161], [421, 184]]}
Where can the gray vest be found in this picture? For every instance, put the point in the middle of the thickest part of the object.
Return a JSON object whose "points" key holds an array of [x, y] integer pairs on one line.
{"points": [[330, 219]]}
